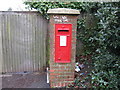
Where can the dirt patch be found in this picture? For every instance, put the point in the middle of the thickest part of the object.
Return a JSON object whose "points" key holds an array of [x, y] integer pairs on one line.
{"points": [[25, 80]]}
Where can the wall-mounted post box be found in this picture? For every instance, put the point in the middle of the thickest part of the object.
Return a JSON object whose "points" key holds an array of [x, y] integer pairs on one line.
{"points": [[63, 33], [62, 45]]}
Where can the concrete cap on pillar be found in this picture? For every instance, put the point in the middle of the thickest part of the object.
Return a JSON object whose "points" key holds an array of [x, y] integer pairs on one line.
{"points": [[63, 11]]}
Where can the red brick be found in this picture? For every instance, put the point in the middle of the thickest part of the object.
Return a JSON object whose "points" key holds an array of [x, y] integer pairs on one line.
{"points": [[60, 70], [52, 77], [51, 70], [68, 67], [69, 80], [54, 74], [59, 84], [51, 84], [54, 84]]}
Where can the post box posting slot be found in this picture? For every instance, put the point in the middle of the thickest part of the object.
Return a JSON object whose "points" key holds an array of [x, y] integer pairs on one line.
{"points": [[63, 30], [63, 34]]}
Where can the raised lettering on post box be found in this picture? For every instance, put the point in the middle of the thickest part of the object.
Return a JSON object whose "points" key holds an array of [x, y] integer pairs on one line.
{"points": [[63, 33]]}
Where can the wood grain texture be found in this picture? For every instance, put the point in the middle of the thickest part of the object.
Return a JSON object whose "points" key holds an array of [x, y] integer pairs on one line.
{"points": [[22, 41]]}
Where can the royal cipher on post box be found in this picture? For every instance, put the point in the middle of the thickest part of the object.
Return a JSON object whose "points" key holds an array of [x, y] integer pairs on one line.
{"points": [[63, 34]]}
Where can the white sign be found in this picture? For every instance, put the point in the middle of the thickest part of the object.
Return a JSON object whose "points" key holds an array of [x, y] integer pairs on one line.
{"points": [[63, 40]]}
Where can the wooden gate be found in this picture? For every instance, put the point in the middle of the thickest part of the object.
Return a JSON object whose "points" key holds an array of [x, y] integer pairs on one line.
{"points": [[23, 41]]}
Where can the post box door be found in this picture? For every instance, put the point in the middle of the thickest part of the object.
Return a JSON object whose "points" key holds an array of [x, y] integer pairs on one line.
{"points": [[63, 34]]}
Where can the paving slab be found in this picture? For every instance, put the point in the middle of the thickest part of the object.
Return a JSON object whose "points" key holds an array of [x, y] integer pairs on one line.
{"points": [[25, 80]]}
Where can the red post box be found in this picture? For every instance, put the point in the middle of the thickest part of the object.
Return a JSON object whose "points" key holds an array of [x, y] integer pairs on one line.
{"points": [[63, 34]]}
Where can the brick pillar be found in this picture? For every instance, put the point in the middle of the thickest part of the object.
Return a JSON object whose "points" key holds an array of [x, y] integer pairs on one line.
{"points": [[62, 74]]}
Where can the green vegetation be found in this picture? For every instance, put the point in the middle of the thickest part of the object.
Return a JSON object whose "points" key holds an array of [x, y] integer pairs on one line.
{"points": [[101, 41]]}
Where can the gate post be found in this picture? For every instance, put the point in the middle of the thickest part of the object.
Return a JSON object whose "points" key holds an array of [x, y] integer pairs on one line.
{"points": [[62, 42]]}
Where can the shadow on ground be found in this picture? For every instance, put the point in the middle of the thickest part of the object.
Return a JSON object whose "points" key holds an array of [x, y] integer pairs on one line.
{"points": [[25, 80]]}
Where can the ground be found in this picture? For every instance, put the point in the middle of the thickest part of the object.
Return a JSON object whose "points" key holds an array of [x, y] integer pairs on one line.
{"points": [[25, 80], [38, 79]]}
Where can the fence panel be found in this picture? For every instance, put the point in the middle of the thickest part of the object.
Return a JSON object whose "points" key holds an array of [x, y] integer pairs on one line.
{"points": [[23, 41]]}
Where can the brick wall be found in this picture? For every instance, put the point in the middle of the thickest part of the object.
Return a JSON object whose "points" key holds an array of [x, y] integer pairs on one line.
{"points": [[62, 74]]}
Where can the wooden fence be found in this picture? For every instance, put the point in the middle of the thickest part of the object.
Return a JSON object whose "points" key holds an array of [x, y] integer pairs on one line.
{"points": [[22, 41]]}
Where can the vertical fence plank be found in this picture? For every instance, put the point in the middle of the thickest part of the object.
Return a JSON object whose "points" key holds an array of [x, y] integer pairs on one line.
{"points": [[3, 41], [39, 42], [1, 53]]}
